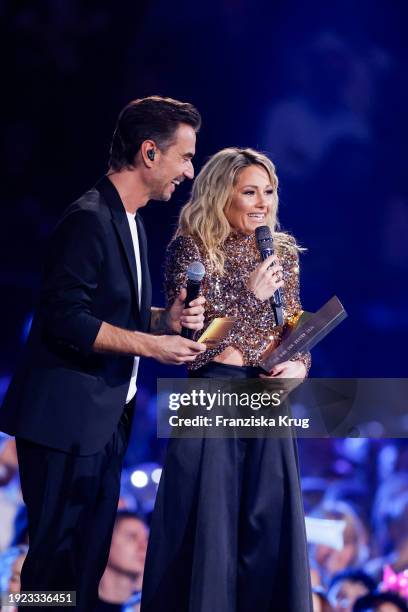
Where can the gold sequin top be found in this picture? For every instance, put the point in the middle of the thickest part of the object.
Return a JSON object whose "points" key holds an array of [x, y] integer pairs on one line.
{"points": [[227, 295]]}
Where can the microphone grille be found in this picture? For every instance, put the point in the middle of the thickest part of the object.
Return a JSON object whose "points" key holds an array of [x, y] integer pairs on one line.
{"points": [[195, 271], [264, 237]]}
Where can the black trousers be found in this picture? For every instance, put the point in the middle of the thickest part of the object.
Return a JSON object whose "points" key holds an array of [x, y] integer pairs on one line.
{"points": [[71, 503], [228, 531]]}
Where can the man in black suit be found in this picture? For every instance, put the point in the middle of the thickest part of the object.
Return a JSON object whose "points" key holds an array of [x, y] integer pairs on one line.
{"points": [[70, 405]]}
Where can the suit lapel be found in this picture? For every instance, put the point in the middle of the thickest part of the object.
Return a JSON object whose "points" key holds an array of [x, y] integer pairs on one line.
{"points": [[122, 227], [121, 224]]}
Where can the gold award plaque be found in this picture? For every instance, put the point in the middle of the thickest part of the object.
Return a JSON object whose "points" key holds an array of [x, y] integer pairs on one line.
{"points": [[216, 331]]}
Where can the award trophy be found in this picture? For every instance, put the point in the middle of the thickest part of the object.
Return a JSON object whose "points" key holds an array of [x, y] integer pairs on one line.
{"points": [[304, 333], [217, 331]]}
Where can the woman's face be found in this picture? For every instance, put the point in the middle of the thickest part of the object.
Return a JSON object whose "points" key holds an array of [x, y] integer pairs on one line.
{"points": [[252, 200]]}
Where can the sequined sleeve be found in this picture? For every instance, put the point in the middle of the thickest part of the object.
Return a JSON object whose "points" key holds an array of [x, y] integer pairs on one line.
{"points": [[292, 293], [179, 254]]}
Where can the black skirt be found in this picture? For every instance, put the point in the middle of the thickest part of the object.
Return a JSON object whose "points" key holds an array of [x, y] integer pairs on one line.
{"points": [[228, 531]]}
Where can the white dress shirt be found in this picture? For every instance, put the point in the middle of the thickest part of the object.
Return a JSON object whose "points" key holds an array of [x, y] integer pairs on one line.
{"points": [[135, 240]]}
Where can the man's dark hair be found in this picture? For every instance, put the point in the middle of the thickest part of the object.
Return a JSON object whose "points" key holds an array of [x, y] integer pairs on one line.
{"points": [[356, 576], [152, 118], [372, 601], [128, 514]]}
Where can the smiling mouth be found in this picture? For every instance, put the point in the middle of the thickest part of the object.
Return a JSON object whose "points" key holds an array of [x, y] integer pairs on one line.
{"points": [[176, 182], [258, 216]]}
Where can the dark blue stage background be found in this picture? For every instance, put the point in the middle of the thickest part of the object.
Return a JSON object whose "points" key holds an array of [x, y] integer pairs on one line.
{"points": [[321, 86]]}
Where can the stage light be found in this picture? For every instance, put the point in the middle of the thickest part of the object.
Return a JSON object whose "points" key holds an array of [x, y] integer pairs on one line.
{"points": [[155, 475], [139, 479], [26, 328]]}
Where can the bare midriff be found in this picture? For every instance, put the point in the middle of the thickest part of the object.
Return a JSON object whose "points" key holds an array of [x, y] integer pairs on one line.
{"points": [[231, 356]]}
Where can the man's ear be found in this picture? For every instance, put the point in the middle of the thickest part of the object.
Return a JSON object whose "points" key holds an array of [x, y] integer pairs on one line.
{"points": [[148, 152]]}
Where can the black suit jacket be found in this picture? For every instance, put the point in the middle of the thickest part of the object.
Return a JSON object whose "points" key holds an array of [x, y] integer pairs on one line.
{"points": [[64, 395]]}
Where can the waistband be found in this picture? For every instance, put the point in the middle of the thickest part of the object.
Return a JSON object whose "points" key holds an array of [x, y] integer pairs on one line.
{"points": [[213, 369]]}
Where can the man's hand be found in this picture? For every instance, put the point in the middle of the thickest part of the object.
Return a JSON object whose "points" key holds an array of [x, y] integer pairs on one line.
{"points": [[178, 316], [166, 349], [174, 350]]}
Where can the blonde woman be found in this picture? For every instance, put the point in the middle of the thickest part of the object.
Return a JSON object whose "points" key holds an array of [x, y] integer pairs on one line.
{"points": [[228, 529]]}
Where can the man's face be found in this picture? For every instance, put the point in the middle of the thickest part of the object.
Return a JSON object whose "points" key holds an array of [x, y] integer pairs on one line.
{"points": [[128, 548], [174, 165]]}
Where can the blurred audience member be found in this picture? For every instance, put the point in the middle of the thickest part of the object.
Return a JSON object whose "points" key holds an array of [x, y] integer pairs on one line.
{"points": [[8, 461], [10, 492], [122, 581], [10, 570], [313, 491], [20, 527], [391, 529], [14, 585], [395, 581], [355, 548], [353, 491], [320, 601], [380, 602], [346, 587]]}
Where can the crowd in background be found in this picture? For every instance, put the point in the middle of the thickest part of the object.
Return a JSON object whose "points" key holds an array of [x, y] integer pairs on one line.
{"points": [[358, 489]]}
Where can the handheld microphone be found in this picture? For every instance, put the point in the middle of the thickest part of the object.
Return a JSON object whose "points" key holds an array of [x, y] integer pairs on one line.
{"points": [[195, 274], [265, 246]]}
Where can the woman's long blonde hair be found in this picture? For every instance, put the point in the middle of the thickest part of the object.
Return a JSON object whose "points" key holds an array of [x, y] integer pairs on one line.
{"points": [[203, 216]]}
